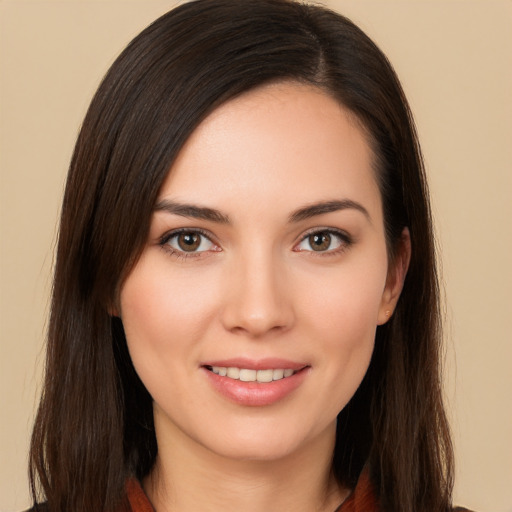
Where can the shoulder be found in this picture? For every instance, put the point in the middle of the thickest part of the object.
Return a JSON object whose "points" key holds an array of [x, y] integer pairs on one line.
{"points": [[461, 509]]}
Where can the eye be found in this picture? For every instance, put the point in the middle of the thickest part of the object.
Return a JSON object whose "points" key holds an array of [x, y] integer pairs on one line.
{"points": [[187, 241], [324, 241]]}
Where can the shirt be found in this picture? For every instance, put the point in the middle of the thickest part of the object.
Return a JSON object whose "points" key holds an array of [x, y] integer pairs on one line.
{"points": [[361, 499]]}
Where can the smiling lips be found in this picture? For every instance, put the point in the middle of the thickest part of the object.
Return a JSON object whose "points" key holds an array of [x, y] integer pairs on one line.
{"points": [[249, 375], [255, 384]]}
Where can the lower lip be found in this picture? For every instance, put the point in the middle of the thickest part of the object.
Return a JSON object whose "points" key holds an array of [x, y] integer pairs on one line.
{"points": [[256, 393]]}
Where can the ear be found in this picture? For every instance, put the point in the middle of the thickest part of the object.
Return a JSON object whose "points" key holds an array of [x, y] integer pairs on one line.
{"points": [[112, 311], [113, 308], [395, 279]]}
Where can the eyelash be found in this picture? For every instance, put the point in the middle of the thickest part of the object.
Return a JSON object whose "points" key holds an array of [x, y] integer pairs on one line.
{"points": [[165, 239], [345, 242]]}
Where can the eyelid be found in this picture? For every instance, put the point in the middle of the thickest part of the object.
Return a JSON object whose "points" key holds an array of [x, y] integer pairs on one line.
{"points": [[346, 240], [164, 239]]}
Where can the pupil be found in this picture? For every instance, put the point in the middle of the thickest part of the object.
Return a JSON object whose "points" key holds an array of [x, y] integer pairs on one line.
{"points": [[320, 242], [189, 241]]}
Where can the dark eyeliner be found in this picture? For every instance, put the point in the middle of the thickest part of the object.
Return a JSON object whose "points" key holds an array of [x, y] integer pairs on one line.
{"points": [[164, 239], [346, 239]]}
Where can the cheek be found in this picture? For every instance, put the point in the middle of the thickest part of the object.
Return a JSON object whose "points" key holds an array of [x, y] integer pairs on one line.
{"points": [[342, 319], [349, 299], [156, 302], [165, 315]]}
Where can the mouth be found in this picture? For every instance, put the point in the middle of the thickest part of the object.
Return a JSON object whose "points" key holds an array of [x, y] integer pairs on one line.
{"points": [[251, 383], [262, 376], [255, 382]]}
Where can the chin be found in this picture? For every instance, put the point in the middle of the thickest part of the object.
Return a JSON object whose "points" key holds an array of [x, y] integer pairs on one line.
{"points": [[257, 451], [269, 443]]}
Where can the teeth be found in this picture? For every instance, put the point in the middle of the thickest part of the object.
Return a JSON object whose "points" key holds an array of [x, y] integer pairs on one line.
{"points": [[233, 373], [265, 375], [246, 375], [277, 374]]}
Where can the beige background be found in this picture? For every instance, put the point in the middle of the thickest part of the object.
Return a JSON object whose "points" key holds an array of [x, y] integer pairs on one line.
{"points": [[455, 61]]}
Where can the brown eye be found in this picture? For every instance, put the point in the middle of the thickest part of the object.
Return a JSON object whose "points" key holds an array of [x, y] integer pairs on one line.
{"points": [[319, 241], [189, 242], [327, 240]]}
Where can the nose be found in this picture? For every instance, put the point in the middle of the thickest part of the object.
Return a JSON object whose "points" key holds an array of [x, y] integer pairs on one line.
{"points": [[258, 297]]}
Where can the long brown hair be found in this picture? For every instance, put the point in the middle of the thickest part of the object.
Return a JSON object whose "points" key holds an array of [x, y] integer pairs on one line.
{"points": [[94, 426]]}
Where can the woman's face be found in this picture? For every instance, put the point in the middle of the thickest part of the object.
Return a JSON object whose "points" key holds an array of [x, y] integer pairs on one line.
{"points": [[266, 257]]}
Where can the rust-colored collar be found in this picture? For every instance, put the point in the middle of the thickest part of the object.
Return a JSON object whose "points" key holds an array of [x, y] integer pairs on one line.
{"points": [[362, 498], [137, 498]]}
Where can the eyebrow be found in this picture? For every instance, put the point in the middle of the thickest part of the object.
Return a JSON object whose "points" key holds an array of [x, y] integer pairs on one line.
{"points": [[304, 213], [192, 211], [323, 207]]}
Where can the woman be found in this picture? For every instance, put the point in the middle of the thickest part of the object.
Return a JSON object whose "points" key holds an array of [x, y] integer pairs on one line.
{"points": [[245, 311]]}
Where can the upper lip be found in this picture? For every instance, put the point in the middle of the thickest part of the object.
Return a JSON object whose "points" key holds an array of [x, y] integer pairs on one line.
{"points": [[256, 364]]}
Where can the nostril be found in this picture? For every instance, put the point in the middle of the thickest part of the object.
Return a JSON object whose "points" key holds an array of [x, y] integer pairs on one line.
{"points": [[256, 309]]}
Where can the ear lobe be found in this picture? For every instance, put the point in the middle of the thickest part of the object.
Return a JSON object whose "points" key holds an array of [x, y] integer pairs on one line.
{"points": [[113, 312], [395, 279], [113, 309]]}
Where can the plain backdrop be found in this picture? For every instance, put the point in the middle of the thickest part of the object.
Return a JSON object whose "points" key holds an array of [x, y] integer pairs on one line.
{"points": [[454, 58]]}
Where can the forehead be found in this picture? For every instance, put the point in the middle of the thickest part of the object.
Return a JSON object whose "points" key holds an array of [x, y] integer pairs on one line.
{"points": [[285, 143]]}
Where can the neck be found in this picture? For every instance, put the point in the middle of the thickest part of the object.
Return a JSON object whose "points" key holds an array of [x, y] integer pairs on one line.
{"points": [[188, 476]]}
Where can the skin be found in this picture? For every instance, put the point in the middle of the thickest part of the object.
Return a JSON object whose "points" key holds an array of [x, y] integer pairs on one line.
{"points": [[255, 288]]}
